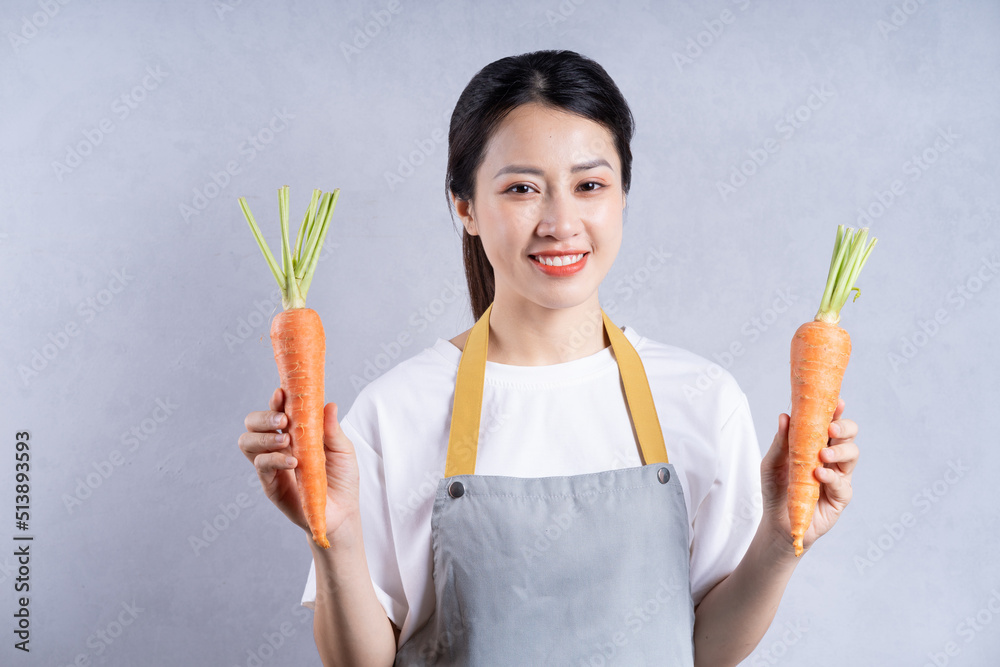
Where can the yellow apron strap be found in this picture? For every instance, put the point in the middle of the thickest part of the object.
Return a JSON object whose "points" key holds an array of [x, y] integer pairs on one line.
{"points": [[637, 396], [463, 439], [467, 409]]}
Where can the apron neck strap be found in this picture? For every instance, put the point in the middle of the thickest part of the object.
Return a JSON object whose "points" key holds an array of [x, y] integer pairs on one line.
{"points": [[463, 439]]}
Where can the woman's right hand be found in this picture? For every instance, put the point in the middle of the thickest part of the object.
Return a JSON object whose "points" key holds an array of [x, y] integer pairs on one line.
{"points": [[267, 447]]}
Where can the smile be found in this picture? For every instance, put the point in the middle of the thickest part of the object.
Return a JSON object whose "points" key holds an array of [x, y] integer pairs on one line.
{"points": [[558, 260], [560, 265]]}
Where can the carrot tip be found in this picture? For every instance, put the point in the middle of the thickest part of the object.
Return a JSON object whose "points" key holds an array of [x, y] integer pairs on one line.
{"points": [[798, 547], [322, 541]]}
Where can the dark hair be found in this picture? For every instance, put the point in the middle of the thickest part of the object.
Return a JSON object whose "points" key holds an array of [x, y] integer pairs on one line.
{"points": [[560, 79]]}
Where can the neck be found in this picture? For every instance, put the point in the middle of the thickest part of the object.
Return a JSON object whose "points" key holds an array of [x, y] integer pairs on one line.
{"points": [[526, 334]]}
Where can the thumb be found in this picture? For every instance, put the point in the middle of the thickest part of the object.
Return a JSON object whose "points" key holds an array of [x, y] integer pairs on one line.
{"points": [[777, 454], [334, 438], [774, 469]]}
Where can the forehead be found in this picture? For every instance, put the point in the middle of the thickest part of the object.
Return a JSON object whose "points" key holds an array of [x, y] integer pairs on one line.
{"points": [[540, 132]]}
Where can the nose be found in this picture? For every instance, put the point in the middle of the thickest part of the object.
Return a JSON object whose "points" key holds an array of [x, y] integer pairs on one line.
{"points": [[558, 215]]}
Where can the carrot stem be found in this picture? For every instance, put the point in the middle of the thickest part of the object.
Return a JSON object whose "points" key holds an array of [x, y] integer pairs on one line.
{"points": [[295, 273], [310, 214], [279, 275], [312, 255], [850, 252]]}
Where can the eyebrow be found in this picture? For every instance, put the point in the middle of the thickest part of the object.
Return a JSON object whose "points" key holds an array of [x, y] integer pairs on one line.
{"points": [[523, 169]]}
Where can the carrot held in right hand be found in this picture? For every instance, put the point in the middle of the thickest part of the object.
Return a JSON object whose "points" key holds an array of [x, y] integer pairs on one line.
{"points": [[300, 348], [819, 354]]}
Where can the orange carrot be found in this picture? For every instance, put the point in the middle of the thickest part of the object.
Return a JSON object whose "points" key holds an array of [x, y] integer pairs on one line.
{"points": [[300, 349], [819, 354]]}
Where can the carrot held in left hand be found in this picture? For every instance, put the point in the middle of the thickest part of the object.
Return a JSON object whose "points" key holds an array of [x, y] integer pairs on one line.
{"points": [[819, 354], [300, 348]]}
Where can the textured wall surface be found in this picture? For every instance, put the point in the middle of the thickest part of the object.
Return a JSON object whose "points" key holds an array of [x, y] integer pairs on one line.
{"points": [[135, 302]]}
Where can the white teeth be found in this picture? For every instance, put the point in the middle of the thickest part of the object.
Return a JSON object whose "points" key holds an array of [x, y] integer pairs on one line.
{"points": [[559, 260]]}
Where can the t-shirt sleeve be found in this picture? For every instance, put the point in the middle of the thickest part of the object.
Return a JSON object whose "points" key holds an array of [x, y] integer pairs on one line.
{"points": [[727, 519], [375, 524]]}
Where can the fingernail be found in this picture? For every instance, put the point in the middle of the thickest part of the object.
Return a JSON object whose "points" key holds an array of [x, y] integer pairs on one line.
{"points": [[276, 420], [289, 461], [836, 429], [279, 439]]}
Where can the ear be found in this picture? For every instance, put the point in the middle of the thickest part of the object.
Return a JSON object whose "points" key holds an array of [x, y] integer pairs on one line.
{"points": [[464, 209]]}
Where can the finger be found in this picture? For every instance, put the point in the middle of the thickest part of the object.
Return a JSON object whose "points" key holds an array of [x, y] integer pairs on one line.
{"points": [[269, 464], [253, 444], [842, 430], [836, 486], [265, 421], [842, 457], [277, 403], [839, 410], [277, 478]]}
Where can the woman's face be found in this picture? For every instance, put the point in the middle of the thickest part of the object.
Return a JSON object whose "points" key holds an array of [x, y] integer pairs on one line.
{"points": [[548, 193]]}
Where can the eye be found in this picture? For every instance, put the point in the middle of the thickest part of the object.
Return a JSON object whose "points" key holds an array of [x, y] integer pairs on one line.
{"points": [[520, 189], [590, 186]]}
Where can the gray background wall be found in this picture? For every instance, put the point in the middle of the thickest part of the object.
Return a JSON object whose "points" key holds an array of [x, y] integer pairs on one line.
{"points": [[136, 301]]}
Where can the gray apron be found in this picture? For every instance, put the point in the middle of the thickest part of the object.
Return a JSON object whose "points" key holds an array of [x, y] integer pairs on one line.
{"points": [[584, 570]]}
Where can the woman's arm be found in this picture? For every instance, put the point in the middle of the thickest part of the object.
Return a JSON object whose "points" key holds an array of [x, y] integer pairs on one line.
{"points": [[350, 625], [733, 617]]}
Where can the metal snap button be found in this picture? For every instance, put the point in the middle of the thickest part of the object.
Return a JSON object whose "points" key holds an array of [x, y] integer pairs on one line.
{"points": [[456, 489], [663, 475]]}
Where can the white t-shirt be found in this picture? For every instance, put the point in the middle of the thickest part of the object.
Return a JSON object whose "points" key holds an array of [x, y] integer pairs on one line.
{"points": [[563, 419]]}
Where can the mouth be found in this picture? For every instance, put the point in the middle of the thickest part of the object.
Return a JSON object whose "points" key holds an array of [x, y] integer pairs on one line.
{"points": [[560, 265], [558, 260]]}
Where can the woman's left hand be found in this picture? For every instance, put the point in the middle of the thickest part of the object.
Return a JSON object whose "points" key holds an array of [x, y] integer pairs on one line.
{"points": [[839, 458]]}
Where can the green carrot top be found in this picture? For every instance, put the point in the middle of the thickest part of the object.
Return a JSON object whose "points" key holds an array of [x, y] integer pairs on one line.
{"points": [[850, 253], [298, 264]]}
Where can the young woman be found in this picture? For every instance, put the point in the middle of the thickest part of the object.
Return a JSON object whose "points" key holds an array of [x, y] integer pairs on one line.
{"points": [[540, 489]]}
